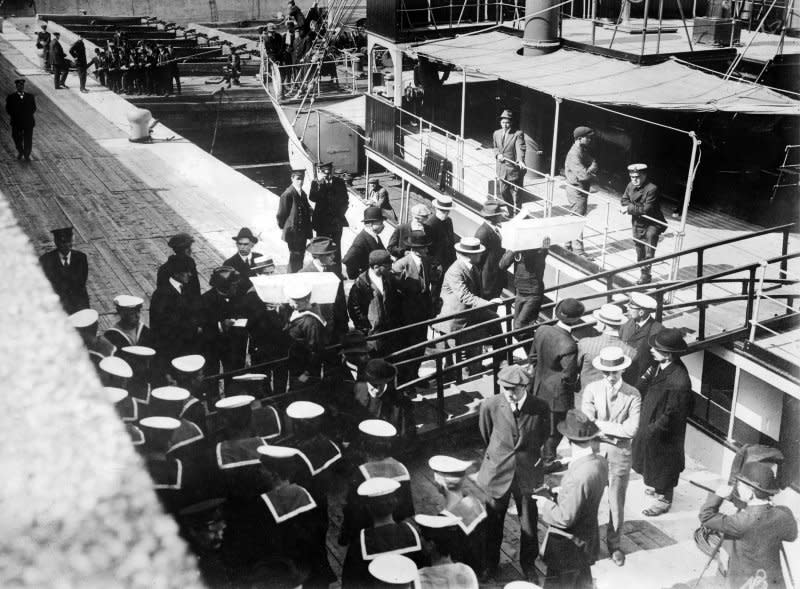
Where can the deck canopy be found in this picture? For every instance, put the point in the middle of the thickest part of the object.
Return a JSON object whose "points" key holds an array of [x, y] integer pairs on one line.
{"points": [[586, 77]]}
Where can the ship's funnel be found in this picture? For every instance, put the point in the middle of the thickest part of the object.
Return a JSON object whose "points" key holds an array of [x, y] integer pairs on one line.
{"points": [[541, 27]]}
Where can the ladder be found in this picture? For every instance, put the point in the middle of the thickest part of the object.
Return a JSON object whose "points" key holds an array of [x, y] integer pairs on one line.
{"points": [[788, 171]]}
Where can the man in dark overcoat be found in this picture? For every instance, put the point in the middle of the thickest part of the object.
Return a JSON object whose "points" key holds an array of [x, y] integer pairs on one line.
{"points": [[181, 244], [58, 60], [658, 447], [224, 340], [509, 151], [329, 195], [20, 106], [396, 246], [78, 52], [442, 236], [415, 278], [637, 331], [368, 240], [555, 378], [246, 262], [294, 219], [493, 278], [640, 201], [373, 302], [67, 270], [513, 426]]}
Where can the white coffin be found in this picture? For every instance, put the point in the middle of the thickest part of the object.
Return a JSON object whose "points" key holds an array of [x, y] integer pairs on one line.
{"points": [[270, 288], [527, 234]]}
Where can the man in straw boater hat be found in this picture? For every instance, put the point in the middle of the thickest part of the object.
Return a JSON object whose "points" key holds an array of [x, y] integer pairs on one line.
{"points": [[513, 426], [609, 319], [572, 542], [640, 200], [658, 448], [246, 262], [397, 242], [329, 195], [754, 535], [555, 378], [638, 330], [294, 220], [509, 151], [440, 539], [368, 240], [67, 270], [493, 279], [614, 406]]}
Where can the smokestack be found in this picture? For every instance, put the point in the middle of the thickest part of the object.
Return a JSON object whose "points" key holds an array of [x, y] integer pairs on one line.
{"points": [[541, 31]]}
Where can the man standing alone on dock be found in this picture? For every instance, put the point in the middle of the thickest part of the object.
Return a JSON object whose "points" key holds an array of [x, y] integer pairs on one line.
{"points": [[580, 168], [20, 107], [294, 219]]}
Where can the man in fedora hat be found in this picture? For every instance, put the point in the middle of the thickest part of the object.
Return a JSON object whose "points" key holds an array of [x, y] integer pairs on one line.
{"points": [[416, 276], [640, 200], [374, 301], [573, 539], [181, 245], [20, 106], [509, 151], [614, 406], [329, 195], [323, 259], [555, 378], [580, 169], [246, 262], [377, 397], [397, 242], [529, 267], [440, 230], [609, 319], [658, 448], [356, 260], [493, 279], [755, 534], [67, 270], [378, 196], [513, 426], [294, 219], [637, 331]]}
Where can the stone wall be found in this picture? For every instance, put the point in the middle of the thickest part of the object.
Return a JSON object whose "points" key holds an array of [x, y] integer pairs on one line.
{"points": [[77, 508]]}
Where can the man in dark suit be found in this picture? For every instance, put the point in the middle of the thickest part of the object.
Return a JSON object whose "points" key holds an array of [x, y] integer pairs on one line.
{"points": [[58, 60], [509, 151], [246, 262], [224, 340], [67, 270], [20, 107], [415, 278], [640, 201], [513, 426], [373, 302], [493, 279], [356, 260], [401, 233], [78, 52], [529, 267], [555, 379], [573, 539], [637, 331], [440, 231], [329, 195], [181, 244], [294, 219]]}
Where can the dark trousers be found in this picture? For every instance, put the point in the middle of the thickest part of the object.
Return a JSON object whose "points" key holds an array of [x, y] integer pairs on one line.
{"points": [[23, 138], [646, 246], [526, 309], [528, 517], [568, 566], [297, 252], [554, 436], [60, 75], [82, 77]]}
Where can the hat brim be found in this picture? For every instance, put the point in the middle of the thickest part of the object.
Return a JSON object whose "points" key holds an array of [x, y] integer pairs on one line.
{"points": [[607, 320], [317, 252], [603, 368], [567, 320], [409, 243], [470, 251], [441, 207], [561, 427], [653, 343], [756, 486]]}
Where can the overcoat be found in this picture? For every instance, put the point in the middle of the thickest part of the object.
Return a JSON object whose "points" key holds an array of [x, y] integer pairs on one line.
{"points": [[556, 373], [643, 200], [356, 260], [443, 240], [331, 200], [69, 282], [639, 338], [20, 110], [493, 279]]}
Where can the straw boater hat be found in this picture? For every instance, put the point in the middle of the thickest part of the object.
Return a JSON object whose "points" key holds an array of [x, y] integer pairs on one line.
{"points": [[669, 340], [443, 202], [470, 245], [611, 359], [609, 314]]}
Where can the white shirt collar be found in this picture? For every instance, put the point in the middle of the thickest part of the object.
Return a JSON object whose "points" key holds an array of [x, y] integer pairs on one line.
{"points": [[564, 326], [66, 259], [613, 390], [352, 367], [416, 257], [317, 264], [246, 259], [643, 321], [176, 285], [514, 403], [375, 279]]}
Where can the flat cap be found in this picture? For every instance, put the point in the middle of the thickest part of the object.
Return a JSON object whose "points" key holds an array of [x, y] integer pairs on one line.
{"points": [[180, 241], [170, 393], [513, 375], [83, 318], [234, 402], [188, 364], [128, 301], [377, 487], [448, 465], [582, 132], [379, 258], [420, 210], [116, 367], [377, 428], [304, 410]]}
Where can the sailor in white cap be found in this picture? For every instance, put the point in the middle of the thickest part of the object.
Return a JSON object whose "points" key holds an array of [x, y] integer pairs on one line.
{"points": [[609, 319], [638, 330], [129, 330], [308, 333], [376, 438], [187, 372], [449, 474], [188, 442], [241, 417], [85, 322], [393, 571], [191, 407], [641, 201], [168, 474], [140, 359], [126, 406], [440, 542], [384, 536], [440, 232], [114, 372]]}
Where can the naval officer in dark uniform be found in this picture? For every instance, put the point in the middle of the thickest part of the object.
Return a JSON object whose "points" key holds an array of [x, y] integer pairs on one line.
{"points": [[640, 201], [67, 270], [20, 107], [329, 194], [294, 219]]}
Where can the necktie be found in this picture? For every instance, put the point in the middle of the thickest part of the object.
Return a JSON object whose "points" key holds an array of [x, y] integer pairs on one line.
{"points": [[65, 261], [516, 409], [380, 243]]}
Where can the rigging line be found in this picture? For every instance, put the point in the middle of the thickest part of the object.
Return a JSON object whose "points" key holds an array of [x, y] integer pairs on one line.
{"points": [[616, 112], [740, 56], [709, 70]]}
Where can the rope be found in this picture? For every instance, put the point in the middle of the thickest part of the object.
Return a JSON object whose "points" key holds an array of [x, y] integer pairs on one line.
{"points": [[709, 70]]}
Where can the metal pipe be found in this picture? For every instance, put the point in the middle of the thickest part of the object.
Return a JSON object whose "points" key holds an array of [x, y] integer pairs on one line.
{"points": [[687, 197], [644, 27], [553, 151], [660, 18], [463, 98]]}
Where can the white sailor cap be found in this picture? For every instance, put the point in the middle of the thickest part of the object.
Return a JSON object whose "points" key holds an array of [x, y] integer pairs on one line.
{"points": [[447, 465], [643, 301], [521, 585], [304, 410], [116, 367], [142, 351], [637, 167], [170, 393], [188, 364], [377, 428], [297, 290], [620, 298], [128, 301], [83, 318], [160, 423], [277, 452], [116, 394], [377, 487], [393, 569], [234, 402], [250, 376], [436, 522]]}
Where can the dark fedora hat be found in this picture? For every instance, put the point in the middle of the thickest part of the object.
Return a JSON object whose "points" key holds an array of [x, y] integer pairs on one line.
{"points": [[668, 340], [492, 209], [320, 246], [570, 311], [180, 241], [245, 233], [379, 372], [417, 239], [759, 475], [354, 341], [578, 427], [373, 215], [224, 279]]}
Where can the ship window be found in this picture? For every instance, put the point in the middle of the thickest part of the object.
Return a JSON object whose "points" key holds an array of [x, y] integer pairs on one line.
{"points": [[712, 406]]}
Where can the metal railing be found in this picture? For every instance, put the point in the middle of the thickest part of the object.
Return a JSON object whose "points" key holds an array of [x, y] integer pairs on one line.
{"points": [[306, 79]]}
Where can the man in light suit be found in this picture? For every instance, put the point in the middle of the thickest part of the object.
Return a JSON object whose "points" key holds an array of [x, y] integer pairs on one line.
{"points": [[556, 376], [609, 319], [573, 538], [509, 151], [637, 332], [513, 426], [493, 279], [614, 406]]}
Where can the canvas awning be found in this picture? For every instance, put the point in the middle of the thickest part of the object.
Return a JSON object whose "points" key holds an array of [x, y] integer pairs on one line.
{"points": [[586, 77]]}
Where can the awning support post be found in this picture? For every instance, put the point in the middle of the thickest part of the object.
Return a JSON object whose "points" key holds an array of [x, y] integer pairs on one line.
{"points": [[687, 197], [463, 98], [554, 148], [644, 27]]}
